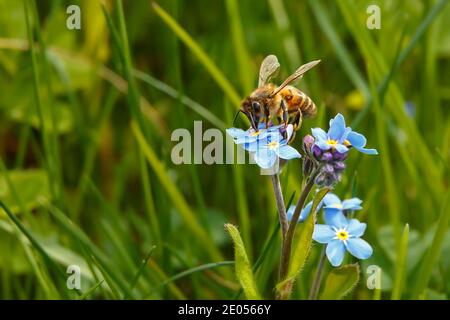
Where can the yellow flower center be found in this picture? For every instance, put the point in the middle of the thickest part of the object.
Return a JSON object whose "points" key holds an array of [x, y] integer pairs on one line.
{"points": [[255, 133], [347, 143], [273, 145], [332, 142], [342, 235]]}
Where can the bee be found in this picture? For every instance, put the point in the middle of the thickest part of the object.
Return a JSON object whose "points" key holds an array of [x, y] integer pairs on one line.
{"points": [[285, 102]]}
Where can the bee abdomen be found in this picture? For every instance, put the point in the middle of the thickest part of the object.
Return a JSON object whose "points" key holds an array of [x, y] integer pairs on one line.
{"points": [[309, 108], [306, 105]]}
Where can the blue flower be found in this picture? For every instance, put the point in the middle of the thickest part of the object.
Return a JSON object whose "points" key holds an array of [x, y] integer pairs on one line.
{"points": [[249, 136], [342, 235], [340, 138], [266, 145], [331, 204], [303, 214], [267, 151]]}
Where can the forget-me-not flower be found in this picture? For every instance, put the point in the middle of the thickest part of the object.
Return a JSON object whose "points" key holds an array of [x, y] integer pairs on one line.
{"points": [[331, 205], [251, 135], [340, 235], [266, 145], [273, 147], [340, 137]]}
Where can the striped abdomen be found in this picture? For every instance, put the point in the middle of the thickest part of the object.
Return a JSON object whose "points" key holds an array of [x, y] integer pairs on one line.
{"points": [[296, 99]]}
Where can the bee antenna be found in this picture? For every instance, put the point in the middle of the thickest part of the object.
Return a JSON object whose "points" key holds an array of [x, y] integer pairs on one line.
{"points": [[236, 115]]}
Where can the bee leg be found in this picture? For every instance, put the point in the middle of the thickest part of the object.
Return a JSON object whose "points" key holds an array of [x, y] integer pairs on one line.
{"points": [[292, 136], [266, 115], [298, 120], [285, 114], [284, 117]]}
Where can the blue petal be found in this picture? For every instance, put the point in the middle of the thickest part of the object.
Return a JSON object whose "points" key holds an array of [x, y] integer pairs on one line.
{"points": [[356, 139], [245, 139], [337, 127], [290, 212], [335, 252], [323, 233], [251, 147], [367, 151], [305, 212], [341, 148], [352, 204], [345, 135], [287, 152], [359, 248], [272, 136], [331, 199], [289, 131], [235, 132], [355, 228], [319, 134], [335, 218], [265, 158], [322, 144]]}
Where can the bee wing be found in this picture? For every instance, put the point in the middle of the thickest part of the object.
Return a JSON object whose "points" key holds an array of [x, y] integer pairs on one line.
{"points": [[268, 69], [297, 74]]}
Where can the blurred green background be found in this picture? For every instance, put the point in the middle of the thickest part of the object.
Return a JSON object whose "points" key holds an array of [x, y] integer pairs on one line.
{"points": [[86, 172]]}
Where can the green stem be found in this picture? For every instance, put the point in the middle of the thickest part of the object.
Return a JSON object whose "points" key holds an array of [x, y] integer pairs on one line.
{"points": [[318, 277], [280, 204]]}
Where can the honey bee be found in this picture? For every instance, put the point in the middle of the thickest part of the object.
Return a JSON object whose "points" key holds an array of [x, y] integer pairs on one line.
{"points": [[285, 102]]}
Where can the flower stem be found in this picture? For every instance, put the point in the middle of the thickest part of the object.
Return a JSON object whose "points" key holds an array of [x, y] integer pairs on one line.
{"points": [[287, 243], [318, 277], [280, 204]]}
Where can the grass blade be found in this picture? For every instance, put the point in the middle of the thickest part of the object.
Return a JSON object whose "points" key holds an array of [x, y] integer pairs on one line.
{"points": [[400, 273], [432, 256], [209, 65], [176, 196]]}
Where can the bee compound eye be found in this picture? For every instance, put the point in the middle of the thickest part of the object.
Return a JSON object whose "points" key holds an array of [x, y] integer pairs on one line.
{"points": [[256, 106]]}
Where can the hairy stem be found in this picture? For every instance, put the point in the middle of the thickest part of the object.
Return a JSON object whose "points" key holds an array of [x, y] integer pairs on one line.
{"points": [[318, 277], [280, 204]]}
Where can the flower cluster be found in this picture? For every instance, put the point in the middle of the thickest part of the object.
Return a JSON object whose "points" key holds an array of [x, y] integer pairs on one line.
{"points": [[266, 145], [324, 161], [339, 233], [330, 149]]}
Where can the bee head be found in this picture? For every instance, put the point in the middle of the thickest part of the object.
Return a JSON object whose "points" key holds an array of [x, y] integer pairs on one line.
{"points": [[252, 109]]}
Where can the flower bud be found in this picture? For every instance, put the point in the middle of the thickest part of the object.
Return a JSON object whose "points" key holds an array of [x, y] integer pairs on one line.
{"points": [[327, 156], [317, 152], [328, 168], [308, 142], [339, 166], [339, 156]]}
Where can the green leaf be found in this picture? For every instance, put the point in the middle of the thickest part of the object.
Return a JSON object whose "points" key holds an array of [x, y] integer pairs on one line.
{"points": [[242, 265], [31, 186], [305, 232], [340, 282], [400, 273]]}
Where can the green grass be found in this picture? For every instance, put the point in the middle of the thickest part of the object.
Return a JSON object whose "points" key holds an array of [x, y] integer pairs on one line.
{"points": [[85, 127]]}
